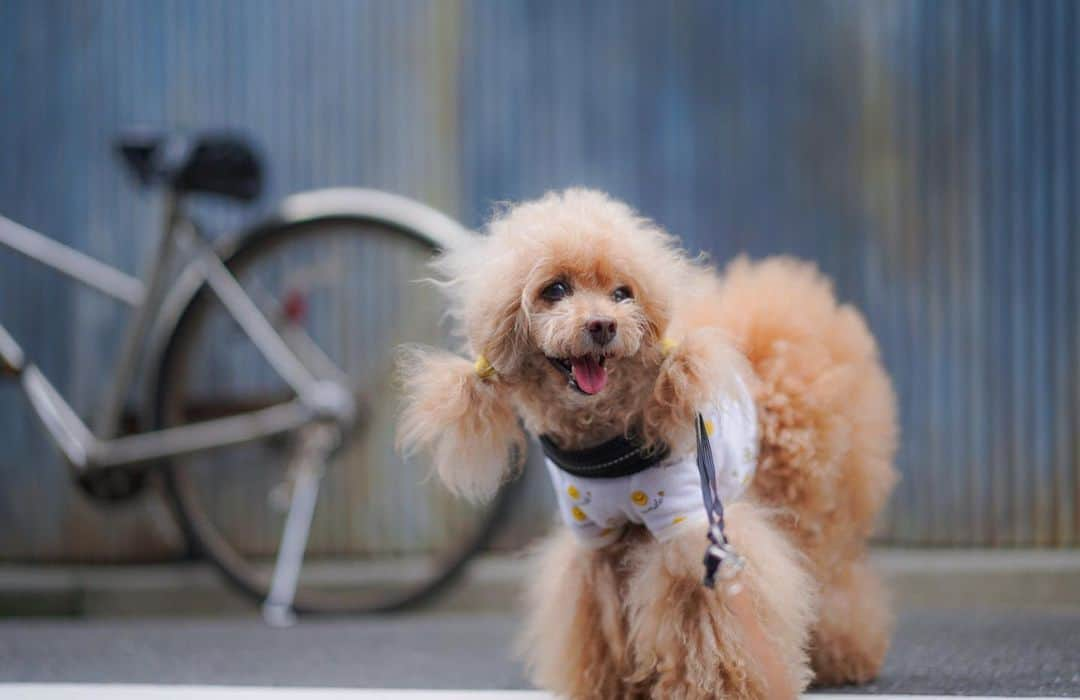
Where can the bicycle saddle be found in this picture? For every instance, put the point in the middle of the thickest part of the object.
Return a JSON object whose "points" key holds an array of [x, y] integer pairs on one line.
{"points": [[217, 162]]}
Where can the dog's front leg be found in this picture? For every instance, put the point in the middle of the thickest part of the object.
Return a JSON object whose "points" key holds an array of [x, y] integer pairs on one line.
{"points": [[575, 637], [693, 642]]}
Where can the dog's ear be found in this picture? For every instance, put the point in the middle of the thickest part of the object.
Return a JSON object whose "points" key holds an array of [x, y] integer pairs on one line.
{"points": [[483, 282], [461, 418], [657, 310], [498, 330]]}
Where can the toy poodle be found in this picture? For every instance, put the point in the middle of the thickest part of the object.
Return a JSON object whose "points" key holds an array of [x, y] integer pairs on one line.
{"points": [[745, 416]]}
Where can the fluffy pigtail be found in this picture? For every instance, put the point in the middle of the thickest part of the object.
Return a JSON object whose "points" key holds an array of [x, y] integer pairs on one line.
{"points": [[702, 367], [461, 418]]}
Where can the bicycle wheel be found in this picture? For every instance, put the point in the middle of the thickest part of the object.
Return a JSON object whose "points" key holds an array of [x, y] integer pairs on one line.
{"points": [[384, 535]]}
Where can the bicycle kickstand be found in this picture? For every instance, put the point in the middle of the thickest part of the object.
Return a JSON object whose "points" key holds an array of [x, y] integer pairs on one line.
{"points": [[317, 443]]}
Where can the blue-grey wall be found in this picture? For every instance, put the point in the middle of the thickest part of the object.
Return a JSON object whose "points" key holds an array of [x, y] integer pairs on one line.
{"points": [[925, 154]]}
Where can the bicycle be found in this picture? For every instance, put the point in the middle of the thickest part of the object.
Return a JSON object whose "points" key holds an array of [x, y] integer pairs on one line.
{"points": [[256, 380]]}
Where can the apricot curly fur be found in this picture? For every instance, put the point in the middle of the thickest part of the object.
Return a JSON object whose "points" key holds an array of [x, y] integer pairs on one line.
{"points": [[575, 640], [686, 639], [703, 363], [632, 620], [827, 413], [466, 424]]}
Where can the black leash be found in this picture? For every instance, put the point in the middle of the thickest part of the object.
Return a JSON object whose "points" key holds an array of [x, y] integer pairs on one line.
{"points": [[719, 550]]}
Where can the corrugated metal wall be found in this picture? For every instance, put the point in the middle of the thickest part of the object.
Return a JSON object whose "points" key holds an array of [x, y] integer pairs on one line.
{"points": [[925, 154]]}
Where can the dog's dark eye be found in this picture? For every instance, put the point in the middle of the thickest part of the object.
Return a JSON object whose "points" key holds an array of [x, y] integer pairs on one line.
{"points": [[555, 291], [622, 294]]}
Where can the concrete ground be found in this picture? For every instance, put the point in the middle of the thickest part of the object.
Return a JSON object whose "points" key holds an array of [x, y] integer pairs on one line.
{"points": [[998, 653], [969, 624]]}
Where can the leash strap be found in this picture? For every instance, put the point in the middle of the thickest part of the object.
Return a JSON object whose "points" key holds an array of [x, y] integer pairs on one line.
{"points": [[719, 551]]}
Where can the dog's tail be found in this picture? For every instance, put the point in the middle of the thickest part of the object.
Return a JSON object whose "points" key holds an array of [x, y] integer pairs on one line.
{"points": [[827, 410]]}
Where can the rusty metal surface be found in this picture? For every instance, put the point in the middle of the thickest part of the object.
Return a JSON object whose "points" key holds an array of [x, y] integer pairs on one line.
{"points": [[925, 154]]}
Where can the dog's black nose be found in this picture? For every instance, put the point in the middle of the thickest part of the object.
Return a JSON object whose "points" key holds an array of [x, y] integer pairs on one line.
{"points": [[602, 330]]}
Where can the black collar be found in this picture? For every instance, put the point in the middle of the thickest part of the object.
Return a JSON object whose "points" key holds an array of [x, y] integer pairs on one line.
{"points": [[621, 456]]}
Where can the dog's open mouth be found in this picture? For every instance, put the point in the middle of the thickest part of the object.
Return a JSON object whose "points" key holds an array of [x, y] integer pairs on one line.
{"points": [[586, 373]]}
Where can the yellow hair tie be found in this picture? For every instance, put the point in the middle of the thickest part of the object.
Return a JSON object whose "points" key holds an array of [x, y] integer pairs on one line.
{"points": [[667, 345], [483, 368]]}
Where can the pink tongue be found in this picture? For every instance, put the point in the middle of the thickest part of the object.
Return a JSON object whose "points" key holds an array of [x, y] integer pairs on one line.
{"points": [[588, 374]]}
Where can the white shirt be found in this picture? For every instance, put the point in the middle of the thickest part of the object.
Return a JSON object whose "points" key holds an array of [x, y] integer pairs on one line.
{"points": [[667, 495]]}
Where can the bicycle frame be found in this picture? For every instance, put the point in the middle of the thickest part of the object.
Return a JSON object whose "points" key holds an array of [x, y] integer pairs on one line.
{"points": [[318, 400], [323, 411]]}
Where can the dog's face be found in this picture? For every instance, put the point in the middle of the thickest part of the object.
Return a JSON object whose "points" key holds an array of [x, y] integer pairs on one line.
{"points": [[582, 314], [567, 293]]}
